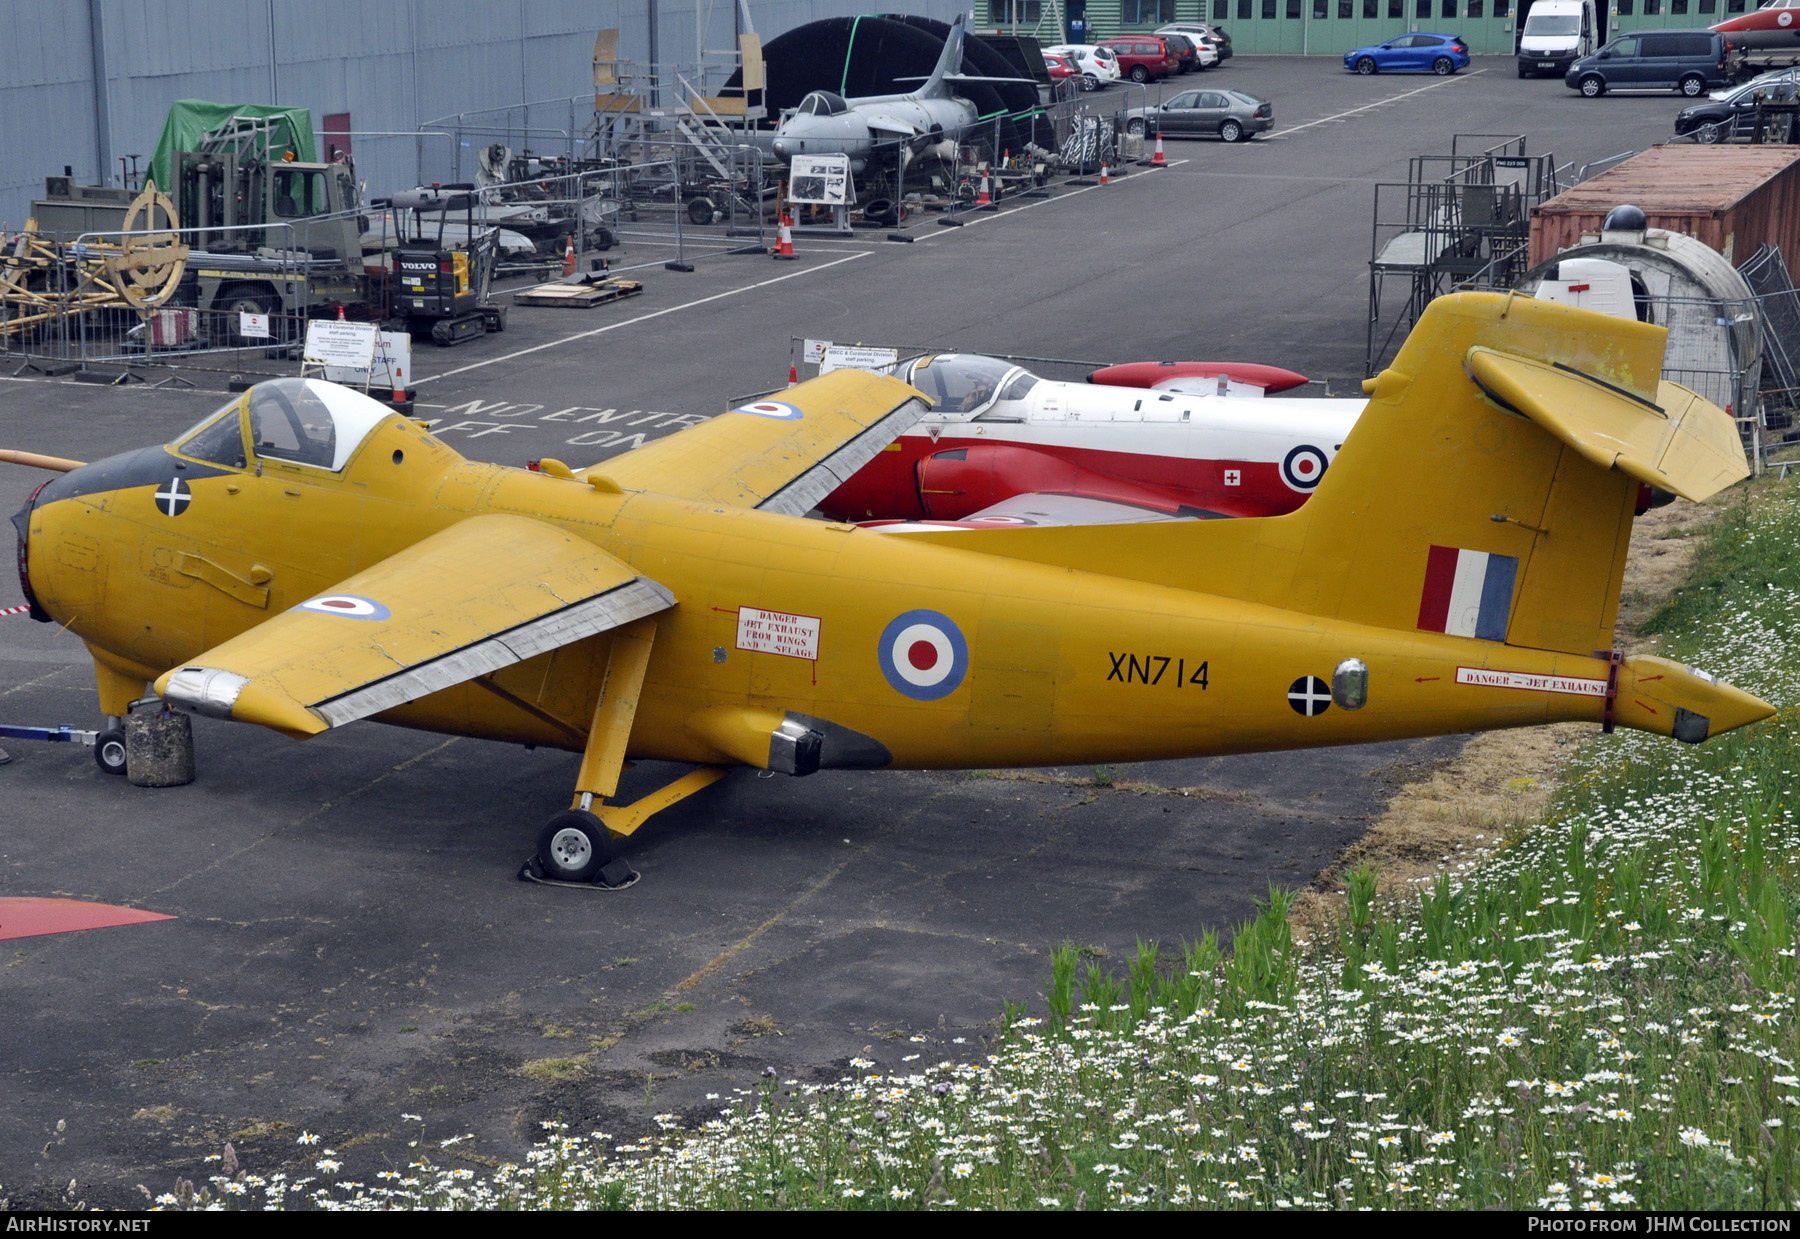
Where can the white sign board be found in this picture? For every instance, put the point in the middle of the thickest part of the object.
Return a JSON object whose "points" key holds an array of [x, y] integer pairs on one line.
{"points": [[812, 352], [389, 368], [855, 357], [823, 179], [253, 326], [393, 361], [777, 632], [347, 346]]}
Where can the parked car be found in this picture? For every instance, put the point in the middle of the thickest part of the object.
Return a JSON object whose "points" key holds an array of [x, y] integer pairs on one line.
{"points": [[1202, 31], [1231, 114], [1062, 69], [1099, 67], [1691, 61], [1143, 57], [1441, 54], [1186, 52], [1732, 113]]}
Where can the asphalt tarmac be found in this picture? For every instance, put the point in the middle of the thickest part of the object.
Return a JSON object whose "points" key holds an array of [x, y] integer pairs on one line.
{"points": [[350, 942]]}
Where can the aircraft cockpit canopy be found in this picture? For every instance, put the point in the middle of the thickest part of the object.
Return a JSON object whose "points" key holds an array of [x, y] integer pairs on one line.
{"points": [[300, 421], [983, 388], [822, 103]]}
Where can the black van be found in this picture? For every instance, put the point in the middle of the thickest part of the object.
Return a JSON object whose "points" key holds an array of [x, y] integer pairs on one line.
{"points": [[1691, 61]]}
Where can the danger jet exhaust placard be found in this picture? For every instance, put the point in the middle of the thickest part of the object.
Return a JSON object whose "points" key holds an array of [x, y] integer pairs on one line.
{"points": [[777, 632]]}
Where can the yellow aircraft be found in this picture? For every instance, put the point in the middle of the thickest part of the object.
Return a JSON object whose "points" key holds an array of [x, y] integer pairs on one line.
{"points": [[305, 558]]}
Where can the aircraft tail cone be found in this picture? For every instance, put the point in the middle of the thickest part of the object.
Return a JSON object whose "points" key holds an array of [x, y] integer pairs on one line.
{"points": [[784, 240], [1104, 180], [568, 256], [984, 198], [1157, 160]]}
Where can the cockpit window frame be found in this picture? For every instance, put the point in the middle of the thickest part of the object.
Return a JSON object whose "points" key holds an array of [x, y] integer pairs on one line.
{"points": [[234, 411], [823, 103]]}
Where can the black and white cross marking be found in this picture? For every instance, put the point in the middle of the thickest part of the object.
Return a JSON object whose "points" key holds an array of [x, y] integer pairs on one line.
{"points": [[173, 499], [1309, 695]]}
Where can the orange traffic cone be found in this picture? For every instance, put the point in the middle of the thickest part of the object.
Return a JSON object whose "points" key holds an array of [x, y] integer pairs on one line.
{"points": [[784, 240], [340, 314], [568, 255], [1157, 160], [793, 374], [1103, 178], [983, 199]]}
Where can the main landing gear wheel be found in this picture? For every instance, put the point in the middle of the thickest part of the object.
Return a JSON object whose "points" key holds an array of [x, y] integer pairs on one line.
{"points": [[574, 846], [109, 750]]}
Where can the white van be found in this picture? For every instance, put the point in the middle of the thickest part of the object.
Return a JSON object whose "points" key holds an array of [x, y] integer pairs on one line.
{"points": [[1557, 33]]}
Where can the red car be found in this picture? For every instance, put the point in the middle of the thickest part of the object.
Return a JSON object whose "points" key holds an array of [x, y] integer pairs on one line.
{"points": [[1060, 68], [1144, 57]]}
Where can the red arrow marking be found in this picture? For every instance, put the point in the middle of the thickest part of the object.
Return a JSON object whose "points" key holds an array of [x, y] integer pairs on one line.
{"points": [[1426, 679]]}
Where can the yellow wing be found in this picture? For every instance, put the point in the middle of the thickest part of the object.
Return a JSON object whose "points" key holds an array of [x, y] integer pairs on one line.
{"points": [[782, 454], [480, 595]]}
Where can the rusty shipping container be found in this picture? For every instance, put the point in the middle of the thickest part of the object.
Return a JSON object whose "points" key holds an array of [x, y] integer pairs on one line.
{"points": [[1732, 198]]}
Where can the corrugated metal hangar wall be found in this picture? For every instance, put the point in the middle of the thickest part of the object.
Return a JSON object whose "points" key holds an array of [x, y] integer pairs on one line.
{"points": [[84, 82]]}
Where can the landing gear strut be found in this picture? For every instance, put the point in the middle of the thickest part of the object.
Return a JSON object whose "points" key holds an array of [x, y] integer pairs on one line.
{"points": [[580, 844]]}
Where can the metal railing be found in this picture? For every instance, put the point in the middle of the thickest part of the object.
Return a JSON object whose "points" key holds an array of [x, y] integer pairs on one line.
{"points": [[236, 305]]}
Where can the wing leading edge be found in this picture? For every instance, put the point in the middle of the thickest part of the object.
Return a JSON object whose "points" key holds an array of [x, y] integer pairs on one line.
{"points": [[485, 593]]}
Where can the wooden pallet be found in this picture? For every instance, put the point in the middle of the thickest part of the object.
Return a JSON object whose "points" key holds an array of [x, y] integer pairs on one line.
{"points": [[579, 296]]}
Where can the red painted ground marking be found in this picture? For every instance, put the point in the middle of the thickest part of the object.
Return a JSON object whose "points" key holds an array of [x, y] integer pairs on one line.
{"points": [[30, 917]]}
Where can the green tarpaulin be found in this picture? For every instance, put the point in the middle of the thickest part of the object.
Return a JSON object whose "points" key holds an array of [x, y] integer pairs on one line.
{"points": [[192, 119]]}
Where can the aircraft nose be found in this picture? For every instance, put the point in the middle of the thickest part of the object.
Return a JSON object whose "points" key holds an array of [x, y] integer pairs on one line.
{"points": [[22, 522], [783, 149]]}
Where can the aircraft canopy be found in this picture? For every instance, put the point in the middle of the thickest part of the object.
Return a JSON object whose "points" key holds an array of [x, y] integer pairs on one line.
{"points": [[302, 421], [968, 383], [822, 103]]}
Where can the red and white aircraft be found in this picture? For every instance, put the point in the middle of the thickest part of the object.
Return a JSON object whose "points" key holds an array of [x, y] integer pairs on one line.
{"points": [[1002, 446], [1776, 25]]}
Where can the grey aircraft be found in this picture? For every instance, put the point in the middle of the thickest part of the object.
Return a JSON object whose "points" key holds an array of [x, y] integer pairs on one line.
{"points": [[829, 124]]}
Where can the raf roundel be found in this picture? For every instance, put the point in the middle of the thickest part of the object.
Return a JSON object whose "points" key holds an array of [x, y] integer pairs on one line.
{"points": [[350, 606], [780, 410], [923, 655], [1302, 468]]}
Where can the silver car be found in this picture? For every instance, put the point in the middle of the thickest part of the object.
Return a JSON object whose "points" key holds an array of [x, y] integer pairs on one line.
{"points": [[1232, 114]]}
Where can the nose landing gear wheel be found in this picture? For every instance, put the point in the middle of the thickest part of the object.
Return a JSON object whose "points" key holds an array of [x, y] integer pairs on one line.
{"points": [[109, 750]]}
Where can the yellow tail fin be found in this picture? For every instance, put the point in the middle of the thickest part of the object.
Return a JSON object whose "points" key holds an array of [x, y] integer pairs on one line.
{"points": [[1487, 491]]}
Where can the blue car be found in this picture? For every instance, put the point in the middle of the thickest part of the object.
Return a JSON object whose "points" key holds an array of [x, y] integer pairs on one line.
{"points": [[1442, 54]]}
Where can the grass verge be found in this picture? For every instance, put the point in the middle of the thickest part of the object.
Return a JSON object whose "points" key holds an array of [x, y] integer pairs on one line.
{"points": [[1596, 1013]]}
